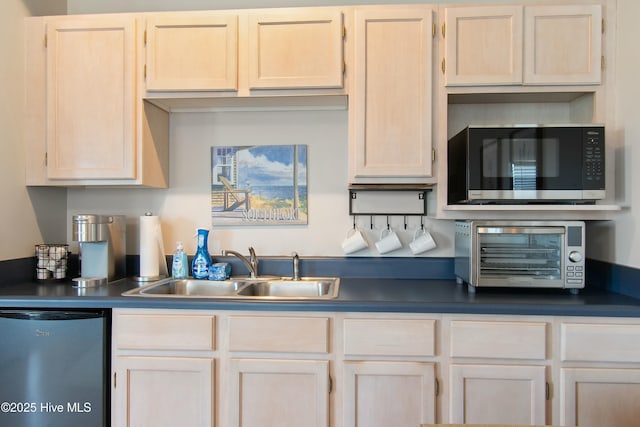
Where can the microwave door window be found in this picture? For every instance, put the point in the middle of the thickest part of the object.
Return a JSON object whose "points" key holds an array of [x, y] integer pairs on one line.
{"points": [[495, 170], [524, 165]]}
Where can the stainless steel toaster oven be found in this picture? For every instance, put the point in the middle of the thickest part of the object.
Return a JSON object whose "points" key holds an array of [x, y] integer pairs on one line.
{"points": [[539, 254]]}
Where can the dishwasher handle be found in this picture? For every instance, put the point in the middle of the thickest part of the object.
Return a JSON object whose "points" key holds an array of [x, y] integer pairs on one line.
{"points": [[27, 314]]}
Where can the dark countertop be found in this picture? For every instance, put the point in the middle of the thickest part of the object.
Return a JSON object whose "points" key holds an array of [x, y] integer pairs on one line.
{"points": [[358, 295]]}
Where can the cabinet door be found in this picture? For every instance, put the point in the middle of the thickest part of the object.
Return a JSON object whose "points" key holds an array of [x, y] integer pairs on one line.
{"points": [[388, 394], [483, 45], [278, 393], [500, 394], [599, 397], [192, 51], [90, 97], [562, 44], [163, 391], [391, 104], [295, 49]]}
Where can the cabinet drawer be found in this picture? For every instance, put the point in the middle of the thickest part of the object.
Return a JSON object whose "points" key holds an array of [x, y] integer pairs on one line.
{"points": [[279, 334], [389, 337], [503, 340], [590, 342], [164, 332]]}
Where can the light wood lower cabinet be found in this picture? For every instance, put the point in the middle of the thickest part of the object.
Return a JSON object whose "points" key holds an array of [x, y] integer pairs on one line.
{"points": [[389, 372], [317, 369], [282, 393], [600, 397], [379, 394], [163, 391], [600, 373], [498, 371], [501, 394]]}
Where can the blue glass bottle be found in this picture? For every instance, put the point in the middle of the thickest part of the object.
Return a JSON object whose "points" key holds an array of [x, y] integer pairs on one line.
{"points": [[201, 260]]}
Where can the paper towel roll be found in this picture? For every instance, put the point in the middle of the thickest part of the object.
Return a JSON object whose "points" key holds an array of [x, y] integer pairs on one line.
{"points": [[153, 263]]}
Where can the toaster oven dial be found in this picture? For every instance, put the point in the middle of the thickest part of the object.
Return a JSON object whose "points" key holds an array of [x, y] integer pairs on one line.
{"points": [[575, 256]]}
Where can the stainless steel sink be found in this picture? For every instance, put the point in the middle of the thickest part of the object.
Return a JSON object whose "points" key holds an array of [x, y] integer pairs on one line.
{"points": [[285, 288], [191, 287], [305, 288]]}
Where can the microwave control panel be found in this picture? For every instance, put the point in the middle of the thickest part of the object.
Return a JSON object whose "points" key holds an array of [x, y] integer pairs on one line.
{"points": [[593, 166]]}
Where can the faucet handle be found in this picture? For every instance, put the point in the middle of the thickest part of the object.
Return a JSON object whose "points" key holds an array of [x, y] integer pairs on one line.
{"points": [[296, 265]]}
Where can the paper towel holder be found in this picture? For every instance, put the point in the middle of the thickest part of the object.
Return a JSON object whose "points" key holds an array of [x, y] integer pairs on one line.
{"points": [[162, 263]]}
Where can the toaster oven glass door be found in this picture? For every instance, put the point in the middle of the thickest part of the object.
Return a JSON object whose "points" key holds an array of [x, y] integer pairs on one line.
{"points": [[521, 254]]}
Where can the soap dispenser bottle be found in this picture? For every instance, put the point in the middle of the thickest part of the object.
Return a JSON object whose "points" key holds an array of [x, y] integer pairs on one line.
{"points": [[201, 260], [180, 265]]}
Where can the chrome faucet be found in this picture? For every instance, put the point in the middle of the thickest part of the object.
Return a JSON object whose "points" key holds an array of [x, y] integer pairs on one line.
{"points": [[251, 263], [296, 266]]}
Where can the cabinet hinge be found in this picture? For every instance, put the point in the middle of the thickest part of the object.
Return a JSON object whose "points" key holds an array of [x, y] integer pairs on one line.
{"points": [[547, 391], [344, 67], [114, 380], [46, 159], [443, 66], [330, 384], [602, 25], [444, 30], [344, 32], [144, 72], [45, 40], [437, 387], [603, 63], [144, 37], [434, 30], [433, 154]]}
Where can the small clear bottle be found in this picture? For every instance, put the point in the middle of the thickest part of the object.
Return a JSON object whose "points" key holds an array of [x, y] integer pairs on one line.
{"points": [[201, 260], [180, 265]]}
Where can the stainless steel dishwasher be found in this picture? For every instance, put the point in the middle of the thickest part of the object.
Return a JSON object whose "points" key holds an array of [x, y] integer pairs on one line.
{"points": [[54, 366]]}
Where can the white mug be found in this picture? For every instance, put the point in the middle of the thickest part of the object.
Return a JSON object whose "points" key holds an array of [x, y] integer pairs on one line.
{"points": [[422, 241], [354, 242], [389, 242]]}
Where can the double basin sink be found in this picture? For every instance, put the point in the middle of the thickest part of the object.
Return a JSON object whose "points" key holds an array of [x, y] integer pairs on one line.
{"points": [[276, 288]]}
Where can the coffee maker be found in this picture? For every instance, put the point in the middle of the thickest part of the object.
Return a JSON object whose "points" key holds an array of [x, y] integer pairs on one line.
{"points": [[101, 240]]}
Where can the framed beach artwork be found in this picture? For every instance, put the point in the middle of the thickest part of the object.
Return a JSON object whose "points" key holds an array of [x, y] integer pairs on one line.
{"points": [[259, 185]]}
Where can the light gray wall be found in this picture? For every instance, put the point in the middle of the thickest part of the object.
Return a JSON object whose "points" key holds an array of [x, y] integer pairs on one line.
{"points": [[26, 216]]}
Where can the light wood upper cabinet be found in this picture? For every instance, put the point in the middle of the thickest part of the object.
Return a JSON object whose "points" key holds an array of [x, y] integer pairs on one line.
{"points": [[192, 51], [90, 84], [563, 44], [513, 45], [483, 45], [390, 107], [295, 49], [86, 123], [241, 51]]}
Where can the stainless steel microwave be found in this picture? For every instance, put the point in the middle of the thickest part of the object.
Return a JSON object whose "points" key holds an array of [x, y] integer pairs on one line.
{"points": [[526, 164], [532, 254]]}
